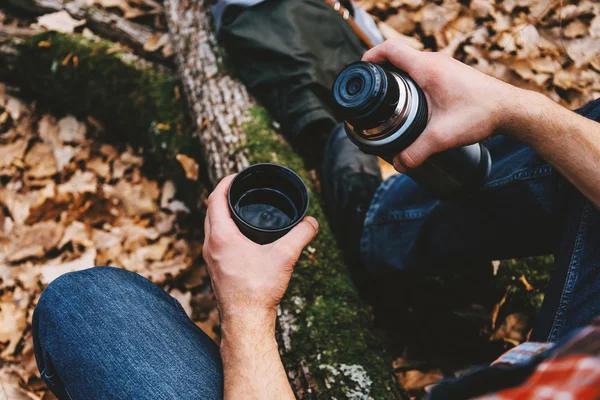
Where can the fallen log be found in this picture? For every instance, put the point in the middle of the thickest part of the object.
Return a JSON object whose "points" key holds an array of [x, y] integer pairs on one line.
{"points": [[323, 326], [102, 22]]}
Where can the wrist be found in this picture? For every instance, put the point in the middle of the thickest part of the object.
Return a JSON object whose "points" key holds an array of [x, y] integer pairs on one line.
{"points": [[520, 114], [244, 321]]}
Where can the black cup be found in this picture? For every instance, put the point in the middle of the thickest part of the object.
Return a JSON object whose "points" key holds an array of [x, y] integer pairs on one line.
{"points": [[266, 201]]}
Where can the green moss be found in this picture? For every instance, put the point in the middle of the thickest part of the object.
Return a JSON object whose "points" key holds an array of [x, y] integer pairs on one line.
{"points": [[537, 271], [137, 102], [333, 325]]}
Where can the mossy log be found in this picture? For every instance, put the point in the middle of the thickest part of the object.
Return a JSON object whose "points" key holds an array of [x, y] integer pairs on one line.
{"points": [[324, 328], [107, 24]]}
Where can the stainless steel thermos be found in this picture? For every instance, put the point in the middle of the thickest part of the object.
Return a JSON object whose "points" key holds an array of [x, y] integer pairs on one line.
{"points": [[386, 111]]}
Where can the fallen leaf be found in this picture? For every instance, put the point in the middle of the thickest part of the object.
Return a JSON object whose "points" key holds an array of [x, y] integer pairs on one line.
{"points": [[13, 151], [184, 299], [137, 199], [77, 233], [391, 34], [403, 22], [80, 182], [100, 167], [13, 320], [55, 268], [41, 161], [513, 329], [70, 130], [60, 21], [575, 29], [156, 41], [35, 240], [10, 385], [418, 380], [190, 166], [528, 286]]}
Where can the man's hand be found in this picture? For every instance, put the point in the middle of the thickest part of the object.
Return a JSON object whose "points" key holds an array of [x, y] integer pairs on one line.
{"points": [[465, 105], [248, 277], [249, 281]]}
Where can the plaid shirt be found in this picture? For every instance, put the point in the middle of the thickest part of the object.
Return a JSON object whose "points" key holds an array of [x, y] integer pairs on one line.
{"points": [[569, 369], [572, 371]]}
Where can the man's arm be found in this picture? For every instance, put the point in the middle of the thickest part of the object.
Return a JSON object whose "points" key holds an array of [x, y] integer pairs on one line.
{"points": [[568, 141], [466, 106], [249, 281]]}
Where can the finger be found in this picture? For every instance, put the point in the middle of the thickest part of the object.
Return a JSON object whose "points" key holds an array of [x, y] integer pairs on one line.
{"points": [[415, 154], [218, 206], [301, 235], [402, 56]]}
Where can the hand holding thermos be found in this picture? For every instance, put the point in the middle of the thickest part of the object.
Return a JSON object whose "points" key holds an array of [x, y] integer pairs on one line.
{"points": [[386, 114]]}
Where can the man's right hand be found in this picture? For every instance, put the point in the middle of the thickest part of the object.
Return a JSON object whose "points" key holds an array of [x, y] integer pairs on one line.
{"points": [[465, 106]]}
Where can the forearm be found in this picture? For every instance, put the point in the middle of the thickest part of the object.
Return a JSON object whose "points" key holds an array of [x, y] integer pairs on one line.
{"points": [[568, 141], [251, 362]]}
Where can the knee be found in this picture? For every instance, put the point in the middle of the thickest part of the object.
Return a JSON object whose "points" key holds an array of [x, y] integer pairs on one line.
{"points": [[83, 291]]}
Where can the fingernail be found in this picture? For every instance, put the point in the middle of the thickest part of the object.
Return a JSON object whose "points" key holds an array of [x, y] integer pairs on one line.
{"points": [[398, 167], [313, 222]]}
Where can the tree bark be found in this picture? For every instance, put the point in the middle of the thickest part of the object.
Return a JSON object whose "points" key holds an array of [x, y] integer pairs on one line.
{"points": [[218, 102], [323, 326], [219, 106]]}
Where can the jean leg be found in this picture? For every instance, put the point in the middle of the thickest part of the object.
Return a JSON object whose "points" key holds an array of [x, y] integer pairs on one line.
{"points": [[525, 209], [107, 333], [513, 215]]}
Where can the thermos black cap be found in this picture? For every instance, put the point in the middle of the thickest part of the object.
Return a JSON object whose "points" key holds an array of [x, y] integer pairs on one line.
{"points": [[365, 94]]}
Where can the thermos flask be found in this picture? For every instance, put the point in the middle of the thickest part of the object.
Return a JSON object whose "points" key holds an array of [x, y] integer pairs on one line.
{"points": [[386, 111]]}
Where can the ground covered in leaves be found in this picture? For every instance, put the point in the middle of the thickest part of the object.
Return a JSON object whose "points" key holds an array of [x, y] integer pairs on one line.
{"points": [[69, 201]]}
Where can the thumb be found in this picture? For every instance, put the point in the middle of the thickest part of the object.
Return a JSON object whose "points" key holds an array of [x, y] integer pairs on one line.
{"points": [[301, 235]]}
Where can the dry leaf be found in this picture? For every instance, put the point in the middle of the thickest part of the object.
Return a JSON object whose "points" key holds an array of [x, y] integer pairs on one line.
{"points": [[41, 161], [575, 29], [390, 33], [60, 21], [13, 151], [10, 385], [135, 198], [528, 286], [513, 329], [403, 22], [13, 319], [417, 380], [70, 130], [190, 166], [184, 299], [81, 182], [156, 41], [56, 268], [35, 240], [78, 234]]}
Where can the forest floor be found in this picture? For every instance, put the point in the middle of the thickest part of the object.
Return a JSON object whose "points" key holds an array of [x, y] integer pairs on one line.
{"points": [[69, 201]]}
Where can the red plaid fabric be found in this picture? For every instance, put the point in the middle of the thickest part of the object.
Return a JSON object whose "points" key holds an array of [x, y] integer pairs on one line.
{"points": [[572, 372]]}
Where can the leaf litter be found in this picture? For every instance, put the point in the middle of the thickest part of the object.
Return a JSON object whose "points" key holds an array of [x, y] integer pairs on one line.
{"points": [[69, 203], [551, 46]]}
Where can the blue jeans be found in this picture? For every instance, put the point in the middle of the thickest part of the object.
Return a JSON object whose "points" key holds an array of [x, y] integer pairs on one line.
{"points": [[107, 333], [525, 209]]}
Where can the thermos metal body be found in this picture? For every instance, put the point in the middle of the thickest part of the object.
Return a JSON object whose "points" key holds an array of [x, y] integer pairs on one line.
{"points": [[450, 173]]}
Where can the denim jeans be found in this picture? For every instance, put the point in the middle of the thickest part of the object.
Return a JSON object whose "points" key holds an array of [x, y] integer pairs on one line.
{"points": [[525, 209], [107, 333]]}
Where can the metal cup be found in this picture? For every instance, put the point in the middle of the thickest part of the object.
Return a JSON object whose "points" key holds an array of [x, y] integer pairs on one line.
{"points": [[266, 201]]}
